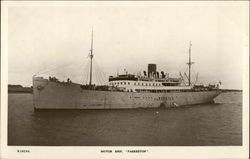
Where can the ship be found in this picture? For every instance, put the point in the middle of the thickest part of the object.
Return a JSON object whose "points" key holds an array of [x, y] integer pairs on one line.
{"points": [[152, 89]]}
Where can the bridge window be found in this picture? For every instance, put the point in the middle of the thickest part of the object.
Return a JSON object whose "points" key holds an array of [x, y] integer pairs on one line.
{"points": [[146, 84], [124, 82], [128, 83]]}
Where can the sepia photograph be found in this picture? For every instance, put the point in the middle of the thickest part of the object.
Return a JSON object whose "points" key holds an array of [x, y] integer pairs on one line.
{"points": [[121, 79]]}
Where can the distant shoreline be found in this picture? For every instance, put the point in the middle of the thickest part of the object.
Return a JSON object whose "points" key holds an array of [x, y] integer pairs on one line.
{"points": [[19, 89], [231, 90]]}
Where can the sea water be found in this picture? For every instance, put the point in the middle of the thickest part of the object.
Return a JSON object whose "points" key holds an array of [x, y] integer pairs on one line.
{"points": [[198, 125]]}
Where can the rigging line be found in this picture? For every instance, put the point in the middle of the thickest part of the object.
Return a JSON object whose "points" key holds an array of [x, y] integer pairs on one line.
{"points": [[186, 70], [86, 79], [103, 79], [94, 77], [193, 70], [102, 74], [100, 77], [79, 73], [88, 72], [97, 70], [98, 74], [194, 74], [55, 68], [85, 73], [97, 77], [44, 69], [197, 78]]}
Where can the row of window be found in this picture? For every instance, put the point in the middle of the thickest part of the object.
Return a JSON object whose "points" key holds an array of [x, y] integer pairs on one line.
{"points": [[166, 98], [121, 83], [159, 98], [142, 84], [161, 90], [148, 84]]}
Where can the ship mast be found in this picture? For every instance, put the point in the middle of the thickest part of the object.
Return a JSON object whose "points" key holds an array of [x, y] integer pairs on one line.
{"points": [[189, 65], [91, 57]]}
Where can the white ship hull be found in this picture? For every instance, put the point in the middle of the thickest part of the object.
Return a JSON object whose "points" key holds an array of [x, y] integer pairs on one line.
{"points": [[54, 95]]}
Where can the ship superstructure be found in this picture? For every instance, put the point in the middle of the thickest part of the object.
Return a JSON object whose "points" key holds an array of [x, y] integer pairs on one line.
{"points": [[151, 82], [150, 90]]}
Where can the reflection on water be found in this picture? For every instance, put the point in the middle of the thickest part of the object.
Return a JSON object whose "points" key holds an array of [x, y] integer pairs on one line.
{"points": [[210, 124]]}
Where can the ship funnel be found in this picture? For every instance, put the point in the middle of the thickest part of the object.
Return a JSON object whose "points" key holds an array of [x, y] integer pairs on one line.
{"points": [[151, 69], [157, 74], [162, 74]]}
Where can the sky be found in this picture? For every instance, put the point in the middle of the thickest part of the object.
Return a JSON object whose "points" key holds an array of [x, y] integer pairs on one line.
{"points": [[53, 39]]}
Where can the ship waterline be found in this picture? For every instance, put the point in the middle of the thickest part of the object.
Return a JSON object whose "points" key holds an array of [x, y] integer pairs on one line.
{"points": [[60, 95]]}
